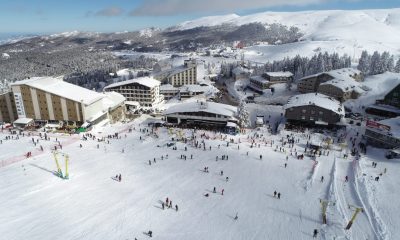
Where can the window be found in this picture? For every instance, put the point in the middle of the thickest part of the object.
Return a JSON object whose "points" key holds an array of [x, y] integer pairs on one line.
{"points": [[303, 110], [321, 113]]}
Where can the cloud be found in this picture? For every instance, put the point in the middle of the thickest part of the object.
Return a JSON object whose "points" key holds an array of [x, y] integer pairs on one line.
{"points": [[173, 7], [108, 12]]}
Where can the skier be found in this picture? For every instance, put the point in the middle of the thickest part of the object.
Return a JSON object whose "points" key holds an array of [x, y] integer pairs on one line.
{"points": [[346, 179], [227, 178], [322, 179], [236, 217], [149, 162], [285, 165], [222, 192], [176, 207], [150, 233], [163, 206], [222, 173], [260, 157], [279, 195], [275, 193], [315, 233], [214, 191], [119, 177]]}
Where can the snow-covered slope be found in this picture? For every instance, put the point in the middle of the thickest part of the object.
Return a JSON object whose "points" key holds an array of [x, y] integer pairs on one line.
{"points": [[333, 31]]}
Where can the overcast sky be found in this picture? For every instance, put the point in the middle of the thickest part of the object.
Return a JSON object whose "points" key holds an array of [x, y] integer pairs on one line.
{"points": [[50, 16]]}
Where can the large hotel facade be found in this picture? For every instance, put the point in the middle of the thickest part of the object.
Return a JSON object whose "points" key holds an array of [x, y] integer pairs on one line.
{"points": [[52, 99]]}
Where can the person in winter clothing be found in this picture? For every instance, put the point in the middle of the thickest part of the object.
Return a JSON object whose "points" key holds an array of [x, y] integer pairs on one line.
{"points": [[236, 217], [279, 195], [119, 177], [222, 192], [176, 207], [214, 191], [150, 233], [275, 193], [315, 234], [322, 179], [346, 179]]}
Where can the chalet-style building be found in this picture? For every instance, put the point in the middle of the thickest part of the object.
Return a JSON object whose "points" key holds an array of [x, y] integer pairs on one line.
{"points": [[341, 89], [392, 98], [267, 79], [313, 109], [311, 83]]}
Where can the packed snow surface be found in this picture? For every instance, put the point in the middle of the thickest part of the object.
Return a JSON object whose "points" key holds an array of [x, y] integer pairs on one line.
{"points": [[37, 205]]}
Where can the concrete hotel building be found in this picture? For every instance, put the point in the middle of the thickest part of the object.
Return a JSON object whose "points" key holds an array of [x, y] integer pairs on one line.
{"points": [[145, 91], [8, 112], [52, 99], [184, 75]]}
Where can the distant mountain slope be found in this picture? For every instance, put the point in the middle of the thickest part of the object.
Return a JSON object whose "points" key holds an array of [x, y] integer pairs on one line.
{"points": [[343, 31], [319, 25]]}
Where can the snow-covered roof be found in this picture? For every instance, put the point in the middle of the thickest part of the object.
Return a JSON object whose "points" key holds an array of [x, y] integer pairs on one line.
{"points": [[168, 87], [279, 74], [240, 70], [346, 84], [194, 88], [259, 79], [342, 73], [23, 121], [201, 106], [316, 99], [63, 89], [113, 99], [145, 81]]}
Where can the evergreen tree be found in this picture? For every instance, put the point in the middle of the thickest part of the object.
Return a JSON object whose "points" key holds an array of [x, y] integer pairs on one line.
{"points": [[243, 114], [397, 67], [376, 66], [364, 63]]}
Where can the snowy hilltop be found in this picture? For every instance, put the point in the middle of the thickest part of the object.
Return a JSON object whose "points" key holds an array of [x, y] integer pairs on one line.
{"points": [[340, 31]]}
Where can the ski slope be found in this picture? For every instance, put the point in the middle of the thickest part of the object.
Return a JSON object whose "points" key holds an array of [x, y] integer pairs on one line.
{"points": [[91, 205]]}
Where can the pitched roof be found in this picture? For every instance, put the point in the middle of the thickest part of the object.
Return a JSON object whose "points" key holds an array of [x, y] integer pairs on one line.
{"points": [[316, 99], [279, 74]]}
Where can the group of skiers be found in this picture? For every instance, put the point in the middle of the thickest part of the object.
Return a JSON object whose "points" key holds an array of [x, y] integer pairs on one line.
{"points": [[118, 177], [168, 204], [277, 194]]}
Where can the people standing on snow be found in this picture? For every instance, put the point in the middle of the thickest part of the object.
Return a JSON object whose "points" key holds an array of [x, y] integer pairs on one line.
{"points": [[285, 165], [227, 178], [150, 233], [322, 179], [279, 195], [162, 205], [222, 192], [214, 191], [236, 217], [222, 173], [275, 193], [119, 177], [176, 207], [346, 179]]}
